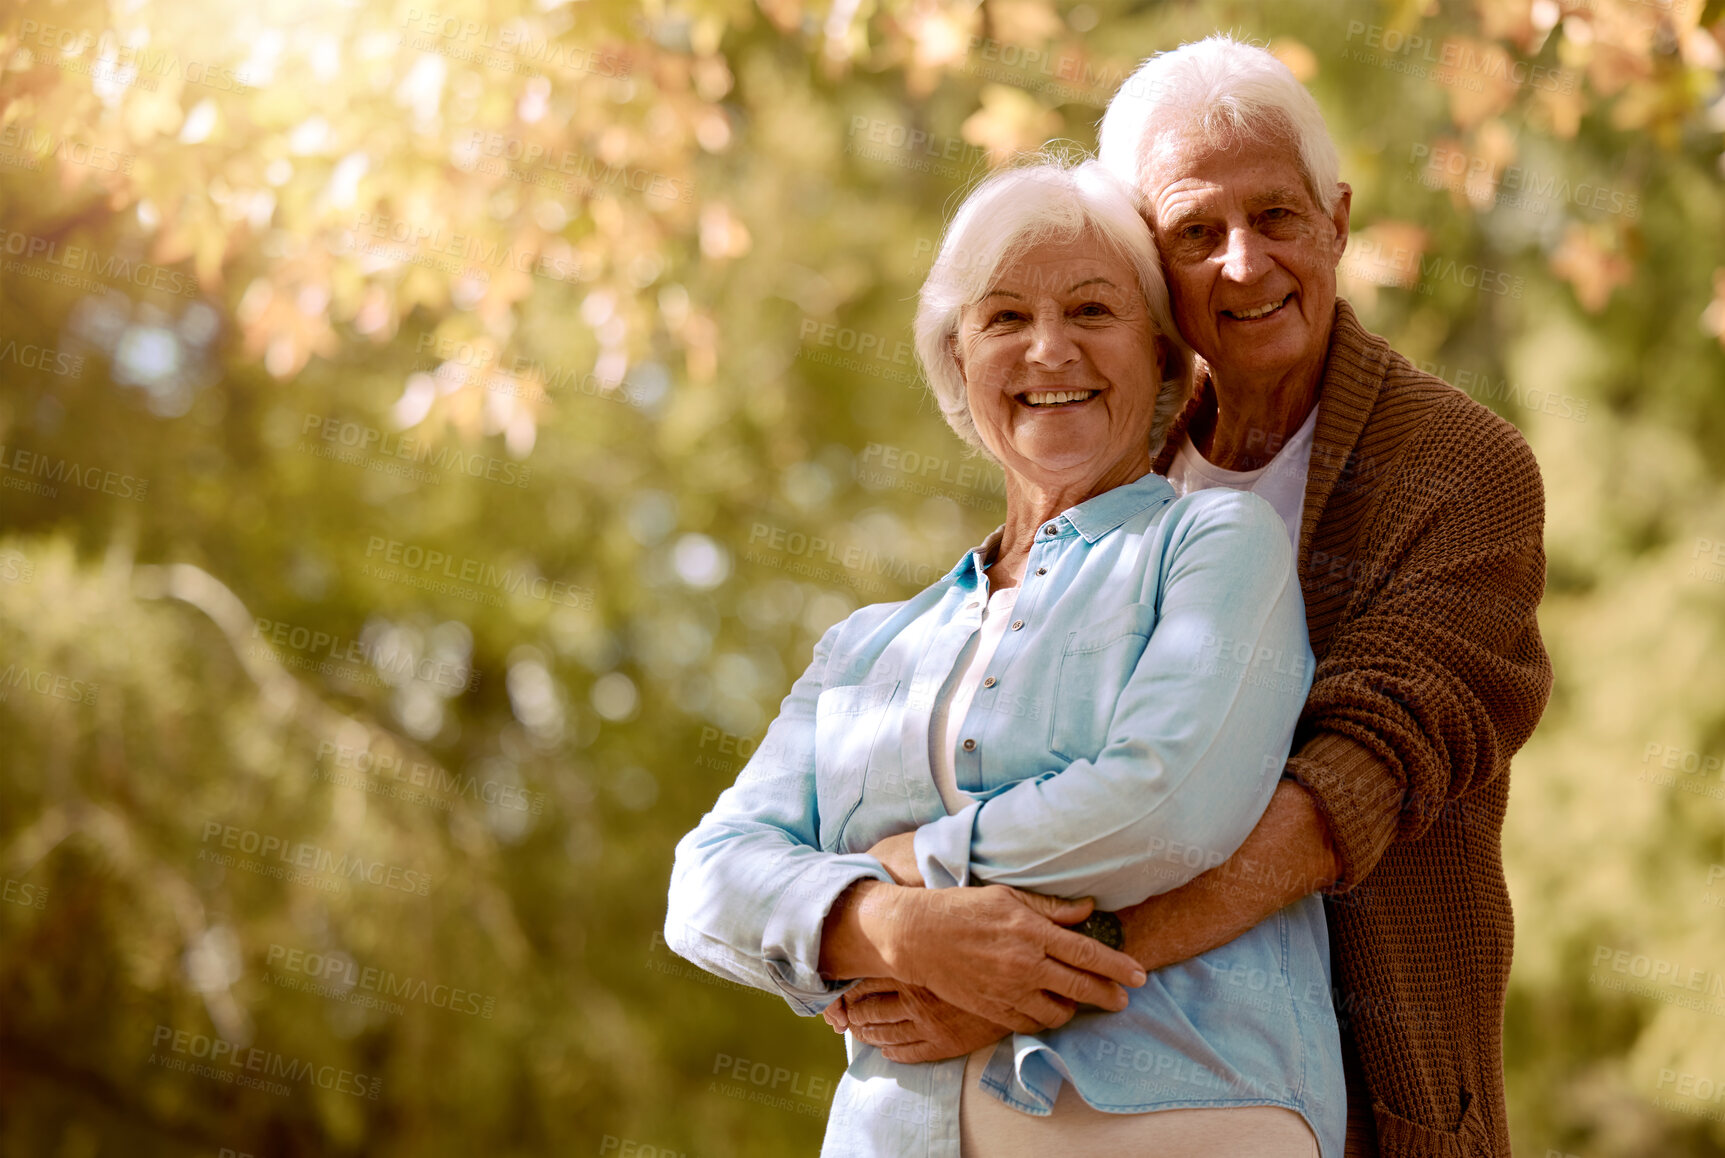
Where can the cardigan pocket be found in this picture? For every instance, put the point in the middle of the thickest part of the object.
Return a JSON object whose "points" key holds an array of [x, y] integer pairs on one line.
{"points": [[1400, 1137], [847, 720], [1095, 667]]}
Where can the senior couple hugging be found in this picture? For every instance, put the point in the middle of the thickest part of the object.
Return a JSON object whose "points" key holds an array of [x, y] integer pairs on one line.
{"points": [[1143, 830]]}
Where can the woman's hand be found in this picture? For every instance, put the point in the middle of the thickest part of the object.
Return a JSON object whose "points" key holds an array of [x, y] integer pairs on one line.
{"points": [[1002, 955], [910, 1024]]}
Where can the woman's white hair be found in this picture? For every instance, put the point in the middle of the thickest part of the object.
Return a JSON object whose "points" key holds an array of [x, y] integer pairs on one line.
{"points": [[1004, 217], [1229, 91]]}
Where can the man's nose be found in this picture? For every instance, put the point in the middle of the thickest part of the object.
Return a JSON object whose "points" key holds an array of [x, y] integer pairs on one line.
{"points": [[1245, 260]]}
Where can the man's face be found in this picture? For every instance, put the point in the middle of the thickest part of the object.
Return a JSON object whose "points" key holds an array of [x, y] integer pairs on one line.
{"points": [[1250, 256]]}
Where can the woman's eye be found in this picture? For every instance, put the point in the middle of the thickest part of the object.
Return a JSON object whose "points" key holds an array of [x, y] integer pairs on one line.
{"points": [[1093, 310], [1005, 317]]}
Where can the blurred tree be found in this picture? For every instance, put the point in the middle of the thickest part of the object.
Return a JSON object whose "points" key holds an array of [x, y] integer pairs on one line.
{"points": [[432, 438]]}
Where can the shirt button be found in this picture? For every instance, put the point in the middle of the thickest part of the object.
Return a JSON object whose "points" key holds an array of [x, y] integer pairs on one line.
{"points": [[970, 745], [972, 606], [1049, 529], [989, 682], [1042, 570], [1017, 623]]}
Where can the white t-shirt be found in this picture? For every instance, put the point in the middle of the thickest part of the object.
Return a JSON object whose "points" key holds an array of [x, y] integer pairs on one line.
{"points": [[1281, 481], [954, 702]]}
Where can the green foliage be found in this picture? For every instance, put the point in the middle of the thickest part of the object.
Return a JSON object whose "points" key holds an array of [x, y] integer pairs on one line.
{"points": [[417, 424]]}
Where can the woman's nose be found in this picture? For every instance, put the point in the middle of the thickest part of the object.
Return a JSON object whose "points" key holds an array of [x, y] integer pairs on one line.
{"points": [[1051, 344]]}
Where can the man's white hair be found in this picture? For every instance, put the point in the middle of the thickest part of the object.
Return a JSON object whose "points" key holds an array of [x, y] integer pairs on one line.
{"points": [[1007, 215], [1230, 92]]}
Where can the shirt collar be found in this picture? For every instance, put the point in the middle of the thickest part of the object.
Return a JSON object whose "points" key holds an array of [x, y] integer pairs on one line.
{"points": [[1091, 518]]}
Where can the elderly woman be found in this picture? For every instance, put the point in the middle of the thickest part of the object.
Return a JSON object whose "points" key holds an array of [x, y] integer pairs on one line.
{"points": [[1092, 706]]}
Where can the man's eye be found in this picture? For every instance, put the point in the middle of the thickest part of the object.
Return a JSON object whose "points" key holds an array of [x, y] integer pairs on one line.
{"points": [[1192, 233]]}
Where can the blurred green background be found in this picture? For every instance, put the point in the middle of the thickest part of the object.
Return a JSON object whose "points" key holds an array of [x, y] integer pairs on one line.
{"points": [[433, 435]]}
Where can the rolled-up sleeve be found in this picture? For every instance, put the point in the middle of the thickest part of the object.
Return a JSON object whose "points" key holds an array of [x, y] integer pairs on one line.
{"points": [[751, 888], [1197, 741]]}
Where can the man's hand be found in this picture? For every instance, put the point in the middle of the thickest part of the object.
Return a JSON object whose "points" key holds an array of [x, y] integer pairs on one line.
{"points": [[897, 854], [1002, 955], [910, 1024], [1288, 855]]}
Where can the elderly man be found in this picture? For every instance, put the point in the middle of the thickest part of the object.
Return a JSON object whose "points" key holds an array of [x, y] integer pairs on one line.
{"points": [[1417, 515]]}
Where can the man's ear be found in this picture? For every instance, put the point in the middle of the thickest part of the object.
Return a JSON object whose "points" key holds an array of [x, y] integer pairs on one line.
{"points": [[1340, 214]]}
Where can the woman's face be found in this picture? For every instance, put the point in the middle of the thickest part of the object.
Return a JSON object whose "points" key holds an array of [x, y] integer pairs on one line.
{"points": [[1061, 366]]}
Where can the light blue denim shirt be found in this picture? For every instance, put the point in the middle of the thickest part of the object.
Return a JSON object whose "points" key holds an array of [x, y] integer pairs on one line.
{"points": [[1141, 707]]}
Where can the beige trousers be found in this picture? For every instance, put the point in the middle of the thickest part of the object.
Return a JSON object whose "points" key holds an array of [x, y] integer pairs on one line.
{"points": [[988, 1128]]}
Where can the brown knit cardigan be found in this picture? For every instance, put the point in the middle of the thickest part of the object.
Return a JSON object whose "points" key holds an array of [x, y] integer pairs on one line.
{"points": [[1422, 561]]}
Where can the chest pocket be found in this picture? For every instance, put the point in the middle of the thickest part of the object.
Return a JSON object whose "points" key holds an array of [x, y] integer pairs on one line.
{"points": [[1094, 668], [847, 722]]}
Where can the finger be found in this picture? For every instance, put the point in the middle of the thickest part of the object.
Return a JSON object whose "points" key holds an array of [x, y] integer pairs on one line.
{"points": [[835, 1015], [1092, 956], [1080, 987], [1046, 1011], [869, 985], [1015, 1020], [882, 1007], [1056, 909], [890, 1033], [915, 1053]]}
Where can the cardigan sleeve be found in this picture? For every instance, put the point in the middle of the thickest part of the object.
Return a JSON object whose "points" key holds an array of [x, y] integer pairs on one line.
{"points": [[1436, 675]]}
